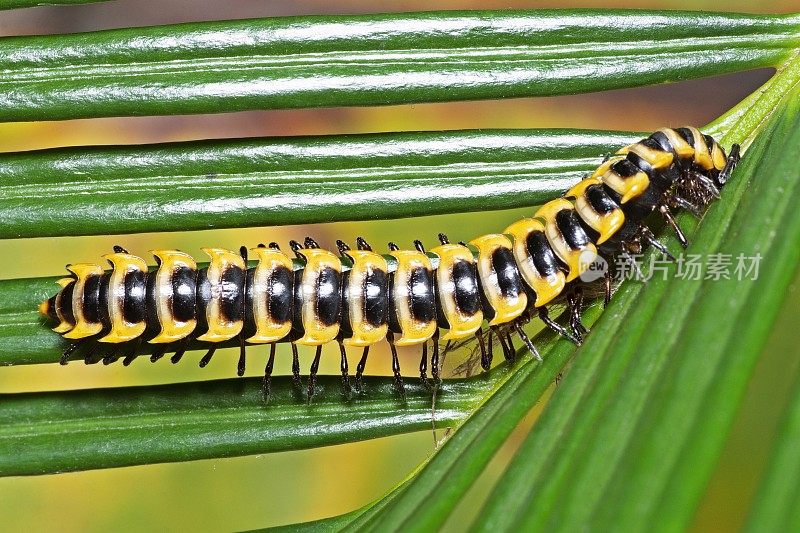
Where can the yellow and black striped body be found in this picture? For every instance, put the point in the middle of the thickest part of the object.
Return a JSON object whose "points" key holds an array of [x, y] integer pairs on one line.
{"points": [[359, 297]]}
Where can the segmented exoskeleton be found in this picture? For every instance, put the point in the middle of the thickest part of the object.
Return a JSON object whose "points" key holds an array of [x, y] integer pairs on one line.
{"points": [[357, 297]]}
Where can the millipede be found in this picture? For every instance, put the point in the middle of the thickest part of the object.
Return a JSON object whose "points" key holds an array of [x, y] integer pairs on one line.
{"points": [[357, 297]]}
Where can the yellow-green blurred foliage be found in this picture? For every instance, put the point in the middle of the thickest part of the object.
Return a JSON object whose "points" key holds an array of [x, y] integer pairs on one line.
{"points": [[257, 491]]}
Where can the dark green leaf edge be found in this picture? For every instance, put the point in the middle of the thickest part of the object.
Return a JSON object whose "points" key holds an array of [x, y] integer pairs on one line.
{"points": [[375, 60]]}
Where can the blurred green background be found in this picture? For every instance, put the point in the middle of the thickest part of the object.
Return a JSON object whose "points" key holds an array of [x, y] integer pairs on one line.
{"points": [[257, 491]]}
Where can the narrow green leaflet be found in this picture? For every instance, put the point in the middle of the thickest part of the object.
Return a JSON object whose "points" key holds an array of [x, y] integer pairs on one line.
{"points": [[49, 432], [253, 182], [14, 4], [776, 507], [374, 59]]}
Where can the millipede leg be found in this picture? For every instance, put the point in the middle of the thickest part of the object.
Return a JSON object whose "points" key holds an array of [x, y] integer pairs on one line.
{"points": [[207, 357], [512, 351], [683, 203], [240, 366], [485, 363], [296, 368], [158, 352], [362, 363], [178, 355], [578, 310], [730, 164], [503, 345], [112, 355], [574, 308], [265, 384], [91, 356], [490, 349], [527, 341], [343, 368], [632, 262], [398, 378], [650, 239], [667, 214], [132, 354], [69, 351], [312, 375], [423, 364], [607, 288], [555, 326], [708, 185], [435, 359]]}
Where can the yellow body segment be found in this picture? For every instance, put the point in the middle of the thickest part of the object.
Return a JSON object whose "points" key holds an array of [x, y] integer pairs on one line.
{"points": [[718, 156], [364, 264], [268, 329], [678, 143], [315, 332], [121, 330], [658, 159], [628, 188], [545, 287], [171, 329], [702, 157], [63, 325], [605, 224], [461, 324], [413, 331], [605, 165], [220, 328], [576, 259], [83, 328], [506, 308]]}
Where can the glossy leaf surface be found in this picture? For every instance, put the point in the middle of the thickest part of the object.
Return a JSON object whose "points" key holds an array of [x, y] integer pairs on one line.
{"points": [[374, 59], [252, 182]]}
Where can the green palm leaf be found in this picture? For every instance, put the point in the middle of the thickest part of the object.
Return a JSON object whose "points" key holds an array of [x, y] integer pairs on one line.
{"points": [[635, 428]]}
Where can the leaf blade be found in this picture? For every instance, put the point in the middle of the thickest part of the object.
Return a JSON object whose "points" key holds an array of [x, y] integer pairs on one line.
{"points": [[49, 432], [614, 455], [251, 182], [16, 4], [374, 60]]}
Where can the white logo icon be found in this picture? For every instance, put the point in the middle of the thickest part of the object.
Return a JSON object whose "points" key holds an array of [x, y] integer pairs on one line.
{"points": [[592, 266]]}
